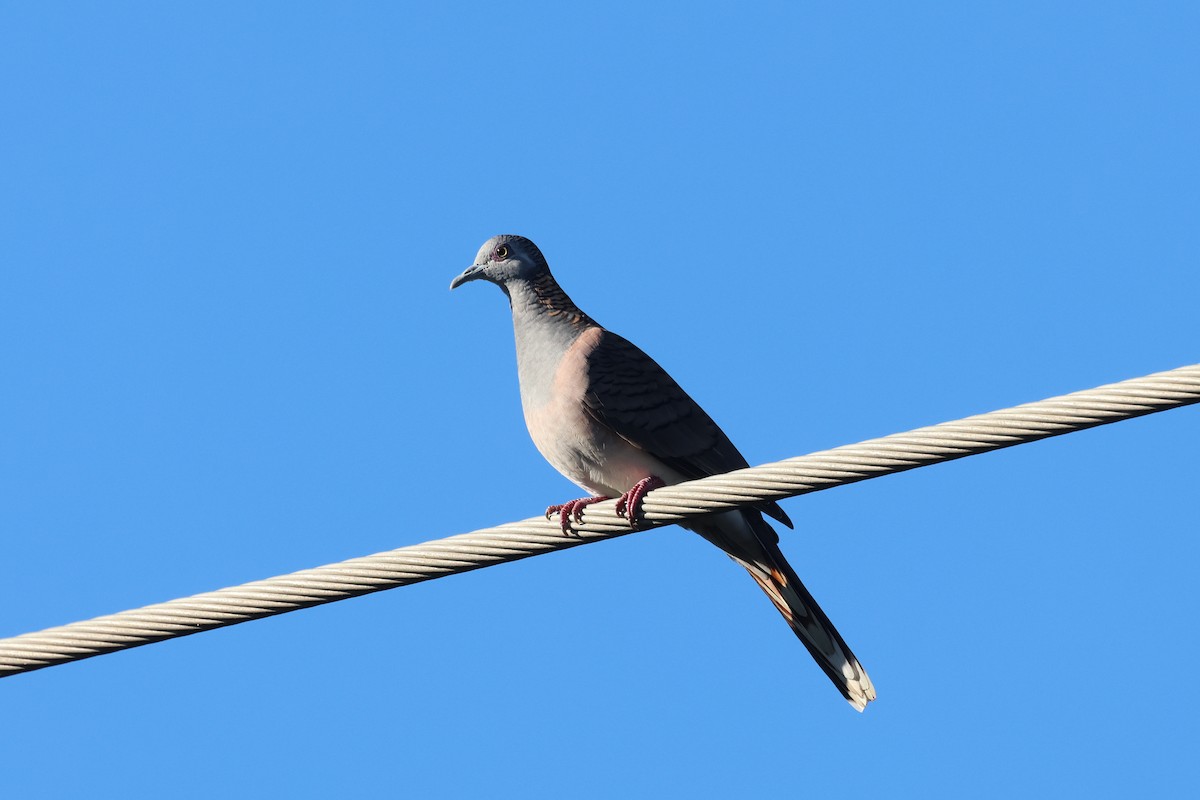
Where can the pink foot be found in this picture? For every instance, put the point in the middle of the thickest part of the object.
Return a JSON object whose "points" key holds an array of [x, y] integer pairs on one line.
{"points": [[630, 504], [572, 509]]}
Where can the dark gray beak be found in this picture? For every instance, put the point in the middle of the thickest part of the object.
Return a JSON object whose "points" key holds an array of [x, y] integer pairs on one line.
{"points": [[471, 273]]}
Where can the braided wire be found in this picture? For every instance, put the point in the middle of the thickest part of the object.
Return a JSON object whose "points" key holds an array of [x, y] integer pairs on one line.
{"points": [[517, 540]]}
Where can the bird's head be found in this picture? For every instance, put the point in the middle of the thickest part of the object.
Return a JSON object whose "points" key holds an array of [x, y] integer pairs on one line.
{"points": [[503, 259]]}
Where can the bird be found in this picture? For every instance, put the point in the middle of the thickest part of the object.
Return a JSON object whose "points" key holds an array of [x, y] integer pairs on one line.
{"points": [[612, 421]]}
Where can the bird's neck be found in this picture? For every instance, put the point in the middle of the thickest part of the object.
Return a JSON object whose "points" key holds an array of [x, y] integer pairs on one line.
{"points": [[541, 300], [546, 322]]}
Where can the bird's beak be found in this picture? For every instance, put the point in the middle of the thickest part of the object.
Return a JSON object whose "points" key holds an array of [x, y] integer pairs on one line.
{"points": [[471, 273]]}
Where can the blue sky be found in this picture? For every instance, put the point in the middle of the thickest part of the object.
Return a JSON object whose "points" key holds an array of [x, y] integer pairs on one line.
{"points": [[229, 352]]}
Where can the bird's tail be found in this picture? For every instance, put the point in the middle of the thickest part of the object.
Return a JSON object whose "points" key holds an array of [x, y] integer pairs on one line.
{"points": [[776, 577]]}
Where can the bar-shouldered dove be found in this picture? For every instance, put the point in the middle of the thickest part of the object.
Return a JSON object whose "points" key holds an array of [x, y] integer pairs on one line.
{"points": [[611, 420]]}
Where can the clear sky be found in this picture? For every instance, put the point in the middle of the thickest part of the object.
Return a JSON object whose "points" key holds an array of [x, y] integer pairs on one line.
{"points": [[228, 352]]}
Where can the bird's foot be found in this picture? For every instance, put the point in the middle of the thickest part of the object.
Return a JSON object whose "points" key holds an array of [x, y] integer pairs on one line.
{"points": [[629, 505], [572, 510]]}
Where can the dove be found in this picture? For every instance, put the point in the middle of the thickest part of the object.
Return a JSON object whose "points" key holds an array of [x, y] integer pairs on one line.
{"points": [[612, 421]]}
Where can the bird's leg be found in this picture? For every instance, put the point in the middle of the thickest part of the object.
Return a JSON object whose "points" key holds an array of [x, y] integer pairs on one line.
{"points": [[572, 509], [629, 505]]}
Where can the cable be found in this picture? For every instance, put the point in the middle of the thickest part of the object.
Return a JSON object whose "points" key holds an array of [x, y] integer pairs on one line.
{"points": [[517, 540]]}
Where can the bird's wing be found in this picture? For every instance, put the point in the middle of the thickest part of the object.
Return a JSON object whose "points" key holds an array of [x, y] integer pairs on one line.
{"points": [[631, 394]]}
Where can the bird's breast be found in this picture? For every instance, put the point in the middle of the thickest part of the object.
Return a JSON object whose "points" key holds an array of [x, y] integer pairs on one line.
{"points": [[586, 451], [561, 429]]}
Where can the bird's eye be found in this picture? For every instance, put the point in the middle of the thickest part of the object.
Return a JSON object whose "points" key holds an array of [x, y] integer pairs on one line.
{"points": [[502, 251]]}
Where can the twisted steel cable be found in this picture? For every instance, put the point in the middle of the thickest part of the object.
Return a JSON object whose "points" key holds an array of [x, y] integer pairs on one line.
{"points": [[517, 540]]}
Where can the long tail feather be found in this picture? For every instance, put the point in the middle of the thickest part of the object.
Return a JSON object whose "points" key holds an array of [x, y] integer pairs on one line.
{"points": [[771, 571]]}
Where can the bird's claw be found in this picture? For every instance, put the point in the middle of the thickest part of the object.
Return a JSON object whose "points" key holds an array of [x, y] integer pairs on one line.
{"points": [[572, 510], [629, 505]]}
